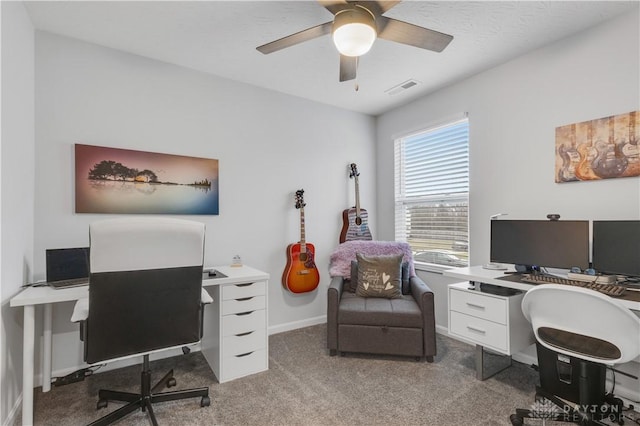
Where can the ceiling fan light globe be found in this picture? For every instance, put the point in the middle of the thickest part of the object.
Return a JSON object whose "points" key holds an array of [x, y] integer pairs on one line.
{"points": [[354, 39], [354, 31]]}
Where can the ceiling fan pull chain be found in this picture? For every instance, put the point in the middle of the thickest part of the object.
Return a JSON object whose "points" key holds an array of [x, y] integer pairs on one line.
{"points": [[355, 81]]}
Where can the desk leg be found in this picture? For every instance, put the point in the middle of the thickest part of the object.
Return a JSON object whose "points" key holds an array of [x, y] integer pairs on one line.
{"points": [[47, 348], [28, 364], [480, 364]]}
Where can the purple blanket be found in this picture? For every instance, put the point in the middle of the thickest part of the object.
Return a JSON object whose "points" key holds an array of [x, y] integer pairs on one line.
{"points": [[340, 260]]}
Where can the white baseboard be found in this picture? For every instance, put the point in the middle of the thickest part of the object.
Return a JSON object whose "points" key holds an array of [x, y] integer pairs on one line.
{"points": [[441, 329], [525, 358], [281, 328], [294, 325], [113, 365]]}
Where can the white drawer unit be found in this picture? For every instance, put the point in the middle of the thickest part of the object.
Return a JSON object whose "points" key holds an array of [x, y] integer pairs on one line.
{"points": [[243, 343], [236, 341], [247, 363], [489, 320], [480, 331], [234, 324], [243, 305], [478, 305], [239, 291]]}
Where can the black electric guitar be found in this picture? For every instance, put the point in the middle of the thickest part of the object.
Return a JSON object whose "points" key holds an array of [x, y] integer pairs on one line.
{"points": [[610, 162], [354, 220]]}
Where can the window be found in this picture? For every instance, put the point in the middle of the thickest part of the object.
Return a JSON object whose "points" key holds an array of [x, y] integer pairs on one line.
{"points": [[432, 193]]}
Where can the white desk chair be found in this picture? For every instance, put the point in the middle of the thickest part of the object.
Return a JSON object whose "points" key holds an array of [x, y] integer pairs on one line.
{"points": [[145, 295], [578, 333]]}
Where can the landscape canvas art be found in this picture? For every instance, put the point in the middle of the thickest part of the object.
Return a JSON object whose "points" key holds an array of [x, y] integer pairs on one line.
{"points": [[603, 148], [113, 180]]}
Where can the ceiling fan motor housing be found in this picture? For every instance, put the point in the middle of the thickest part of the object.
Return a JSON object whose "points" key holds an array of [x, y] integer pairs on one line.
{"points": [[354, 31]]}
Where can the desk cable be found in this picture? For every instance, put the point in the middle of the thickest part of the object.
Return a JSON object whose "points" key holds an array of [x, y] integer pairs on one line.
{"points": [[76, 376], [41, 283]]}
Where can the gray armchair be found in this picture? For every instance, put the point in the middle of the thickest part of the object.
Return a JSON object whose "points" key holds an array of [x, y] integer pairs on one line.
{"points": [[396, 326]]}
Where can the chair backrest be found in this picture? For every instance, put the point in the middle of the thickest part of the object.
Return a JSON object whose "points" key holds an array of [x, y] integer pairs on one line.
{"points": [[582, 323], [144, 286]]}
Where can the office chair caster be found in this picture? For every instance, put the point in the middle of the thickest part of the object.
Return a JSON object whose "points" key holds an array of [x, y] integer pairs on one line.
{"points": [[171, 382], [516, 420], [102, 403], [205, 401]]}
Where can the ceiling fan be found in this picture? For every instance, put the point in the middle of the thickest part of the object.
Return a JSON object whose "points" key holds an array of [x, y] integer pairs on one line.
{"points": [[355, 26]]}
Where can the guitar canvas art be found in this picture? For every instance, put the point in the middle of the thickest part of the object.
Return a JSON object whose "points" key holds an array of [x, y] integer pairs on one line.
{"points": [[125, 181], [301, 274], [604, 148]]}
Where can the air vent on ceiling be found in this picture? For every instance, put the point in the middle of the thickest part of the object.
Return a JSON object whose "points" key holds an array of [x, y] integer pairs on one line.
{"points": [[402, 87]]}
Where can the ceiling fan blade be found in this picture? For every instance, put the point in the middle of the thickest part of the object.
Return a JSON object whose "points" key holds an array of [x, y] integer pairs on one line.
{"points": [[334, 6], [405, 33], [297, 38], [348, 67]]}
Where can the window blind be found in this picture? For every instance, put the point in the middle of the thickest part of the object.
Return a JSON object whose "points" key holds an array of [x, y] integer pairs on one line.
{"points": [[432, 192]]}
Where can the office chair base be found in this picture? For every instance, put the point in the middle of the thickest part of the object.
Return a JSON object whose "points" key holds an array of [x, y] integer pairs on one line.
{"points": [[146, 398]]}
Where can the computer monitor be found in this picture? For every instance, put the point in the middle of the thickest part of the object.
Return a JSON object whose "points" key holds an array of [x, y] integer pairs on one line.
{"points": [[542, 243], [616, 247]]}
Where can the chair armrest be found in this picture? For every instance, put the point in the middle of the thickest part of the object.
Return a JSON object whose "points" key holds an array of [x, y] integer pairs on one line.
{"points": [[419, 289], [425, 299], [80, 310], [333, 302], [205, 297], [337, 285]]}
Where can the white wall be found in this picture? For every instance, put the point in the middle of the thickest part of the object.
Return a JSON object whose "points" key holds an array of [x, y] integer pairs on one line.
{"points": [[17, 190], [268, 145], [513, 112]]}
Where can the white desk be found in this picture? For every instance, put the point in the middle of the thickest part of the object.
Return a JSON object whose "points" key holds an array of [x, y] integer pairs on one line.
{"points": [[481, 275], [493, 321], [47, 296]]}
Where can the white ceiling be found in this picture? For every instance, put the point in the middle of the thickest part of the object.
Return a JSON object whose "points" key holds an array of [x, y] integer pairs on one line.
{"points": [[220, 37]]}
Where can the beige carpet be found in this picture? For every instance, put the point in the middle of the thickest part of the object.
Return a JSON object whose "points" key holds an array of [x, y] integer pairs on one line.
{"points": [[305, 386]]}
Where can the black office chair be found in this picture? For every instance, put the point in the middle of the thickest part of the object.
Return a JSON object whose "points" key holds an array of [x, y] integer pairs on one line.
{"points": [[145, 295], [579, 332]]}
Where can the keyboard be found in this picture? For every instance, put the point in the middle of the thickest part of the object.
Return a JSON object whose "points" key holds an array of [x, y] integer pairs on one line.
{"points": [[608, 289]]}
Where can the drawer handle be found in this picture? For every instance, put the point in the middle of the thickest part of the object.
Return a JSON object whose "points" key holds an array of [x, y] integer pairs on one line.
{"points": [[244, 299], [477, 330], [244, 313], [241, 355], [243, 285], [473, 305], [244, 334]]}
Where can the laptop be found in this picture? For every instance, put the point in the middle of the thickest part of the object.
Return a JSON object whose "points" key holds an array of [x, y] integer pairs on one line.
{"points": [[68, 267]]}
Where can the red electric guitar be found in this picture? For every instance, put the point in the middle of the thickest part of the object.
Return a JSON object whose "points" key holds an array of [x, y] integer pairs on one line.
{"points": [[301, 274], [354, 220]]}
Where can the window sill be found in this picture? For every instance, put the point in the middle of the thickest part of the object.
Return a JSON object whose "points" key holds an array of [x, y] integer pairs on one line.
{"points": [[431, 267]]}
